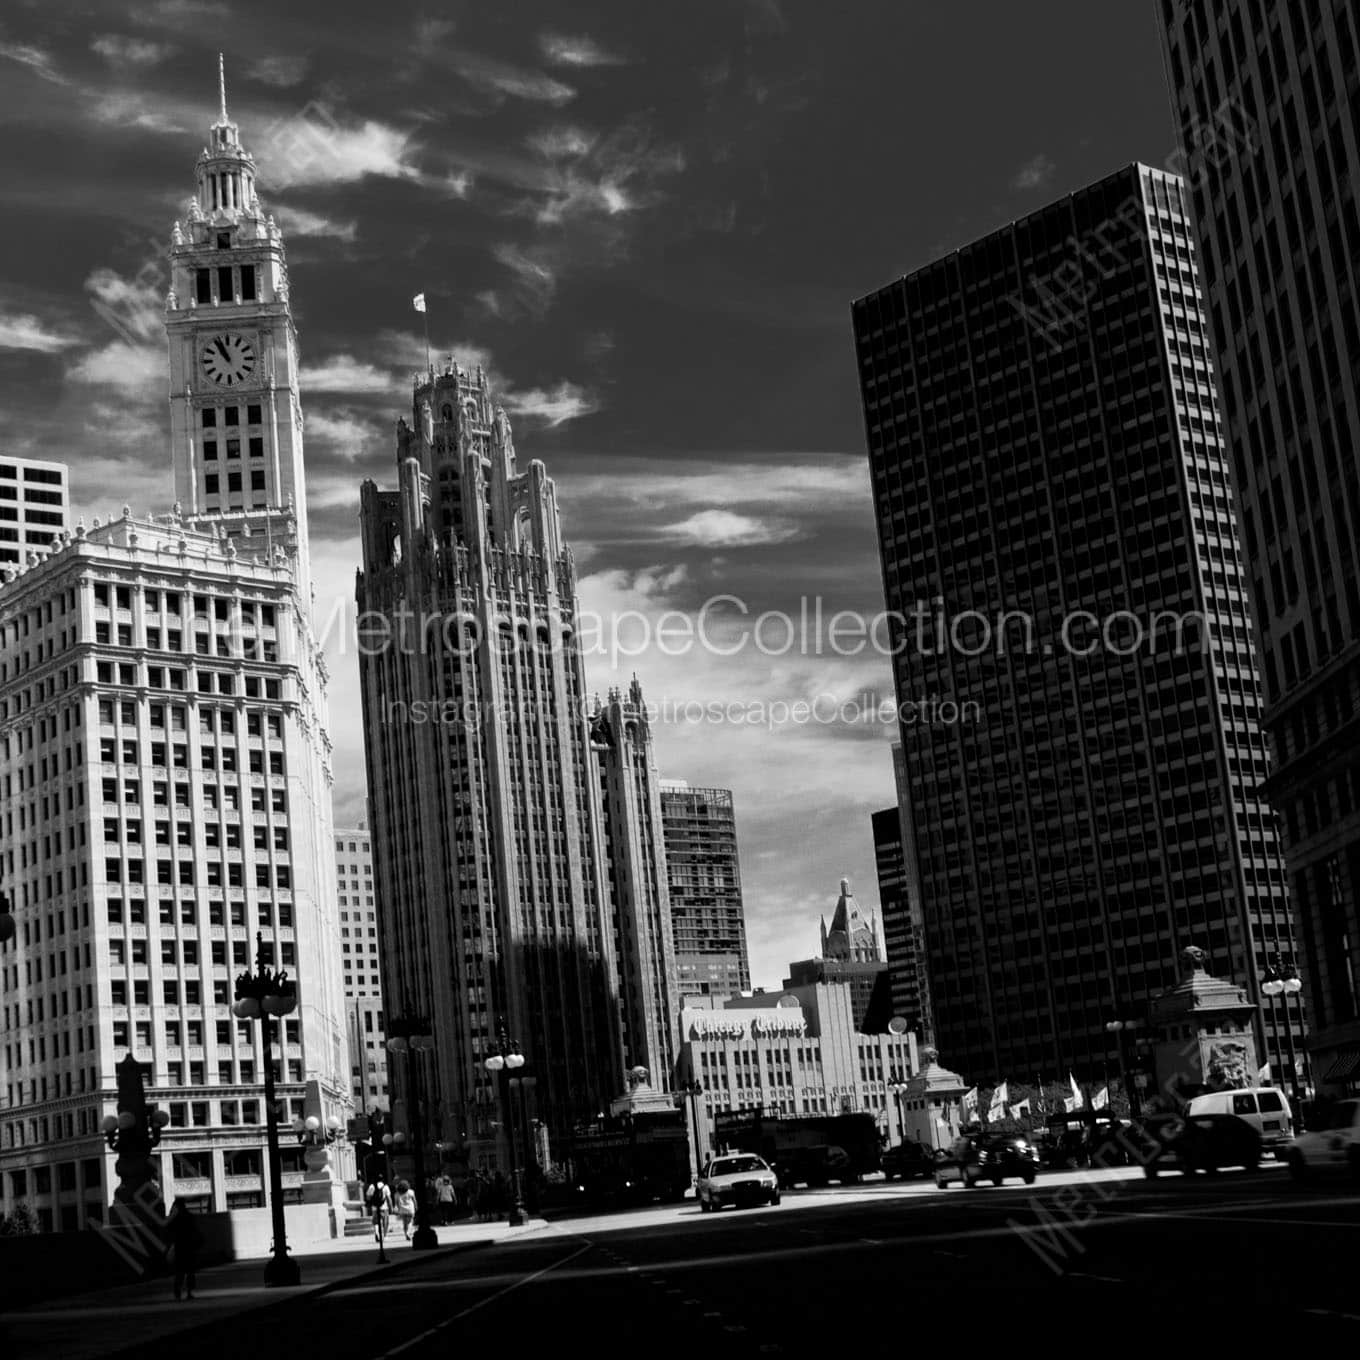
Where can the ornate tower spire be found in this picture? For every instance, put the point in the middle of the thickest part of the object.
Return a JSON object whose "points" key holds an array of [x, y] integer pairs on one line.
{"points": [[222, 90]]}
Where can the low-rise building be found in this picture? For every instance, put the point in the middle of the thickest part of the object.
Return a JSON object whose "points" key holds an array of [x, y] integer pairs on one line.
{"points": [[792, 1053]]}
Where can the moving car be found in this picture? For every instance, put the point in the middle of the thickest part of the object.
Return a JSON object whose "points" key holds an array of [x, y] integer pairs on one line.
{"points": [[1333, 1147], [817, 1166], [908, 1160], [1263, 1107], [987, 1157], [1200, 1142], [738, 1178]]}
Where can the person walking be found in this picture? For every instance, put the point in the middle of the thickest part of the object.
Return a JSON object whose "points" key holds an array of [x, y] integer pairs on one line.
{"points": [[379, 1201], [406, 1208], [444, 1194], [182, 1254]]}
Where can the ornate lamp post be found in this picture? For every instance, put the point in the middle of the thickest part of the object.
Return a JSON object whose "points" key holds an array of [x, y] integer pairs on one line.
{"points": [[411, 1036], [898, 1087], [506, 1059], [133, 1133], [1283, 980], [689, 1092], [1118, 1029], [259, 996]]}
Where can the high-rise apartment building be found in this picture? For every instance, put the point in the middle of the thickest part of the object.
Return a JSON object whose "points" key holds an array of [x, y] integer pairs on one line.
{"points": [[484, 804], [704, 871], [1265, 93], [1057, 536], [35, 503], [165, 772], [635, 878], [362, 967]]}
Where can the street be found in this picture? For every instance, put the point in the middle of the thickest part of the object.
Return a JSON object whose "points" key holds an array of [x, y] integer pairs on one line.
{"points": [[1097, 1257]]}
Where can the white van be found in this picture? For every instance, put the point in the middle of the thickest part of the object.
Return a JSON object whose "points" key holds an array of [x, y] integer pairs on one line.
{"points": [[1265, 1108]]}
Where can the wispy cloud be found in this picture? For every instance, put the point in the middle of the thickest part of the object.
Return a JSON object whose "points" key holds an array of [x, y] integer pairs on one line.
{"points": [[344, 373], [534, 280], [132, 110], [299, 222], [22, 331], [1036, 171], [314, 147], [343, 433], [279, 70], [120, 50], [178, 13], [553, 406], [562, 143], [562, 50], [135, 370], [502, 80], [37, 61], [728, 529]]}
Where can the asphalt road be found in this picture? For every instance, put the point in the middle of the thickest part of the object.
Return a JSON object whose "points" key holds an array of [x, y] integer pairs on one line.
{"points": [[1114, 1264]]}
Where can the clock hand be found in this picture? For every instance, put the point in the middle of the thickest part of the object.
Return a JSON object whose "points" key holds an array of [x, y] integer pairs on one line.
{"points": [[222, 350]]}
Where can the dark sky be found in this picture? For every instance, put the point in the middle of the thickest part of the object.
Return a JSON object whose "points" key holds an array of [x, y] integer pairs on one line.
{"points": [[647, 220]]}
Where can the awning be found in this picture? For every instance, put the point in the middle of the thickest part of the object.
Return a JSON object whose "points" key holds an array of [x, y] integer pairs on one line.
{"points": [[1345, 1066]]}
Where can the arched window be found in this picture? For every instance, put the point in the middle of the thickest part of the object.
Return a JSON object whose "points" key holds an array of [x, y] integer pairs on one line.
{"points": [[446, 412]]}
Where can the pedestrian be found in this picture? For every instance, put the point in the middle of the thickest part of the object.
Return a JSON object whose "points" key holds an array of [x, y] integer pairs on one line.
{"points": [[379, 1201], [406, 1208], [182, 1253], [444, 1193]]}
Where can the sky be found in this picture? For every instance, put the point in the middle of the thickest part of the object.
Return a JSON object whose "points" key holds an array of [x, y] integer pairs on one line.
{"points": [[648, 222]]}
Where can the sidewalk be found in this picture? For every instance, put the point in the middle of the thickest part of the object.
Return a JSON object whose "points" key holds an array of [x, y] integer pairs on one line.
{"points": [[86, 1326]]}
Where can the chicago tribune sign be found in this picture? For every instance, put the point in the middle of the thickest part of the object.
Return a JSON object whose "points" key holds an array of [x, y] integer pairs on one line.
{"points": [[705, 1028], [785, 1022]]}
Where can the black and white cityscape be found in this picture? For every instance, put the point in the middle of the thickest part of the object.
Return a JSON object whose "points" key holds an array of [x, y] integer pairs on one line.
{"points": [[672, 675]]}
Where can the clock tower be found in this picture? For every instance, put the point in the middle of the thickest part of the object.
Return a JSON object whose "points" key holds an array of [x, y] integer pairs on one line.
{"points": [[235, 412]]}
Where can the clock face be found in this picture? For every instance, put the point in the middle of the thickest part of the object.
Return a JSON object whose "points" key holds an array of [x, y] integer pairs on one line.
{"points": [[228, 359]]}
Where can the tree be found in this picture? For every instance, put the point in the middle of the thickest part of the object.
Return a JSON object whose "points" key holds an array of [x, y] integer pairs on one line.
{"points": [[21, 1222]]}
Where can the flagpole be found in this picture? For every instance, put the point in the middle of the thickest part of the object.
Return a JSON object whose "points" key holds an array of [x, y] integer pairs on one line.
{"points": [[425, 313]]}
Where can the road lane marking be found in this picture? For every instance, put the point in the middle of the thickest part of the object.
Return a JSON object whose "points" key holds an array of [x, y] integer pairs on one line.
{"points": [[482, 1303], [1332, 1313], [1083, 1275]]}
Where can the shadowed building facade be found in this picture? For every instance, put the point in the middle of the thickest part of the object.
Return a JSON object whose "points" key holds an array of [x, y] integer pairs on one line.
{"points": [[1265, 94], [1049, 477], [489, 843]]}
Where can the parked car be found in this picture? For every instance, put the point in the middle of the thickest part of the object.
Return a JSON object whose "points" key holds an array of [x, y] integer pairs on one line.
{"points": [[739, 1178], [1200, 1142], [1332, 1147], [1263, 1107], [908, 1160], [987, 1157]]}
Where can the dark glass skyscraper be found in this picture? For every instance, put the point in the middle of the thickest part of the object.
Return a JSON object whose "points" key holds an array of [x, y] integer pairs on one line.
{"points": [[1268, 101], [1057, 537]]}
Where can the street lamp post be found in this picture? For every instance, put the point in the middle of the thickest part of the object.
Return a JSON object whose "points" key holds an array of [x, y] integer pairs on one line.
{"points": [[259, 996], [1117, 1028], [506, 1059], [898, 1087], [689, 1092], [1283, 980], [411, 1036]]}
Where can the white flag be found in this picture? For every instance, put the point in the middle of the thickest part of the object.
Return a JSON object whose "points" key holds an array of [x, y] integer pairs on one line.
{"points": [[418, 302], [1263, 1076], [1101, 1098], [970, 1100], [1076, 1093], [1022, 1108], [997, 1109], [1072, 1104]]}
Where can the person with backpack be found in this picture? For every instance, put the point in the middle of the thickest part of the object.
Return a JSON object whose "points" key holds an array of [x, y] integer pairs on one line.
{"points": [[379, 1201], [182, 1253]]}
